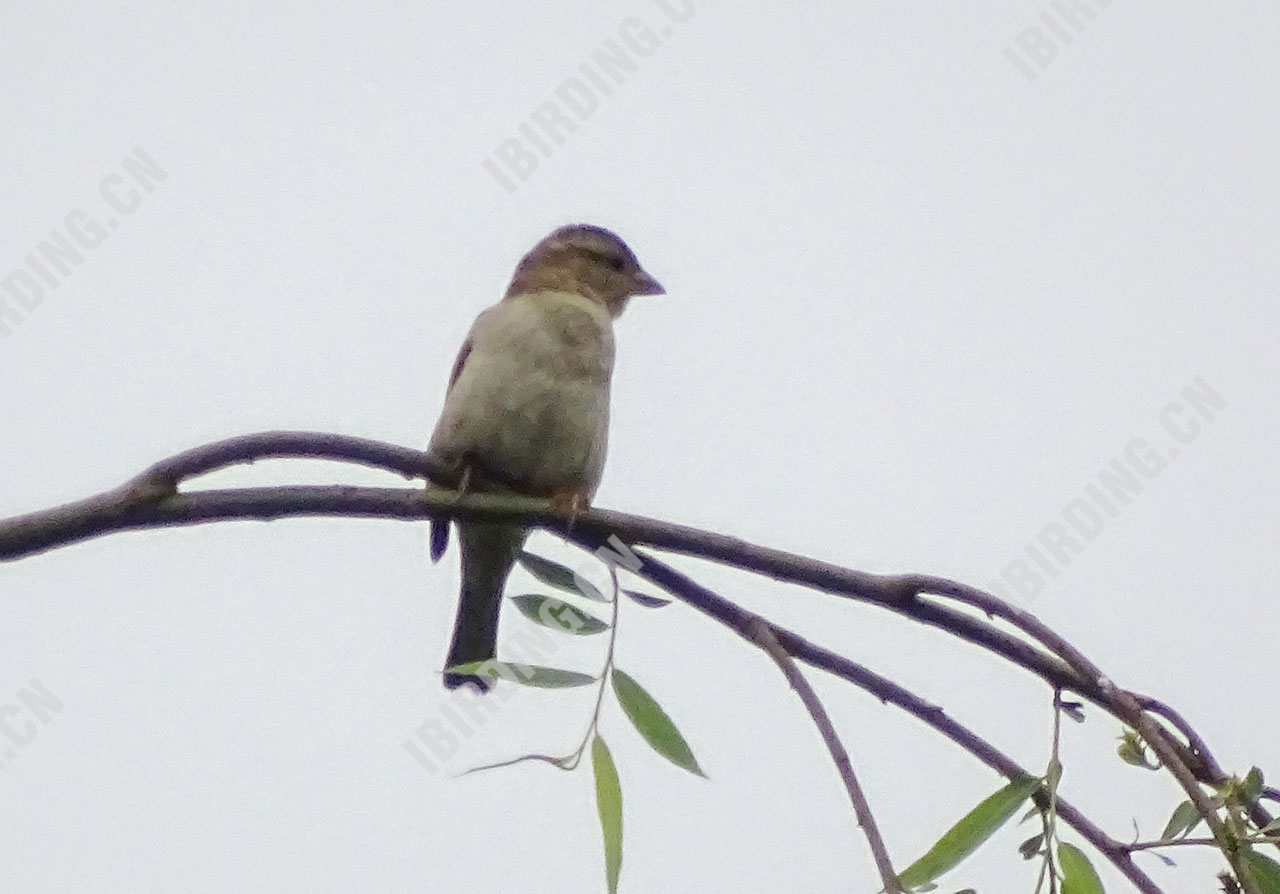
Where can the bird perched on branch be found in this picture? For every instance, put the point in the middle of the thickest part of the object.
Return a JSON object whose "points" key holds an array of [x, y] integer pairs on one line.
{"points": [[527, 409]]}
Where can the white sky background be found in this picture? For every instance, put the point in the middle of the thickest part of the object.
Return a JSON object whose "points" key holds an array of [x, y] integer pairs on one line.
{"points": [[917, 302]]}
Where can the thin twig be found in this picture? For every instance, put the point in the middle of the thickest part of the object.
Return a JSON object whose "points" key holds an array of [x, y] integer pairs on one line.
{"points": [[760, 632], [1178, 842], [570, 761], [408, 463]]}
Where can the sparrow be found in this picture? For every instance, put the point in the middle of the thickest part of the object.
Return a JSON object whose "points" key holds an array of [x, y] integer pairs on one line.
{"points": [[527, 409]]}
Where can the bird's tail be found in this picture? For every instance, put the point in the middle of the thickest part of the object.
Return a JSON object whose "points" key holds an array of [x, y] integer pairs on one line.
{"points": [[439, 538], [488, 553]]}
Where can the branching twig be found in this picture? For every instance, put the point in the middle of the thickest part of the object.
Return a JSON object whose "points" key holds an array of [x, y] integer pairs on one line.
{"points": [[739, 619], [1120, 702]]}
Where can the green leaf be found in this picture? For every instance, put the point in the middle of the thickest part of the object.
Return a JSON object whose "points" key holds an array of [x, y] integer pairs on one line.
{"points": [[1185, 818], [553, 574], [1266, 871], [551, 612], [609, 804], [1251, 788], [528, 674], [969, 833], [646, 600], [1078, 874], [552, 677], [1133, 750], [653, 723]]}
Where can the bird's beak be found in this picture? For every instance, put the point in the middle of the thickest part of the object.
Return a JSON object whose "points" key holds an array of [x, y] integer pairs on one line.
{"points": [[646, 285]]}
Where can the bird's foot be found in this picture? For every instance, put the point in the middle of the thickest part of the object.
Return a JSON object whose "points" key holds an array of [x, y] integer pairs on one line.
{"points": [[464, 480], [571, 504], [439, 538]]}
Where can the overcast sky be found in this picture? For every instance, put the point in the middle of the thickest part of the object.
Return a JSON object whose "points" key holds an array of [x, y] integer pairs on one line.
{"points": [[938, 278]]}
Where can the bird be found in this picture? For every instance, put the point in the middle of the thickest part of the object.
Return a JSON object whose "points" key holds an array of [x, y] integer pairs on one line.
{"points": [[526, 410]]}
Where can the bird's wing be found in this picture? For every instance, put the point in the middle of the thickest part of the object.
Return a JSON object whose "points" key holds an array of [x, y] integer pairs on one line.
{"points": [[440, 529], [463, 354]]}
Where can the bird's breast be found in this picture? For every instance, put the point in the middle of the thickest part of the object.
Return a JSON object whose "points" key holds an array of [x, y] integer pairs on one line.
{"points": [[532, 400]]}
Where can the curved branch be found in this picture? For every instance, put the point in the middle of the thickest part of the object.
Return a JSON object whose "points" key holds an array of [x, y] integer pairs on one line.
{"points": [[151, 500], [148, 501], [170, 472], [122, 509]]}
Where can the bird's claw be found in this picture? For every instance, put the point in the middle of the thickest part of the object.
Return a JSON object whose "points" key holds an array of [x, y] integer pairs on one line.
{"points": [[464, 481], [571, 504]]}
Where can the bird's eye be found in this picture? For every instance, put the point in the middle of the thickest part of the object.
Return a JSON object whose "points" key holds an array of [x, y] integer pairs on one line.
{"points": [[617, 264]]}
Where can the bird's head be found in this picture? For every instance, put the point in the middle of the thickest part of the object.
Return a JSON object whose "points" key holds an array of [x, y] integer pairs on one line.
{"points": [[586, 260]]}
